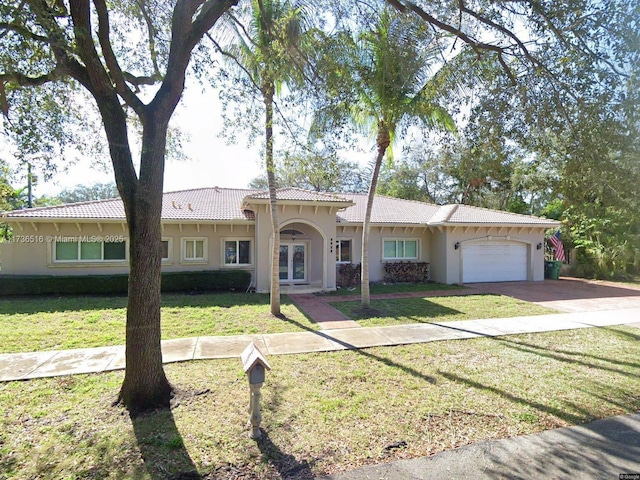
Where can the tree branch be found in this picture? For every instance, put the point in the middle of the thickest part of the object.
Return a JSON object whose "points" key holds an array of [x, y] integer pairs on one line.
{"points": [[26, 81], [81, 16], [21, 30], [115, 71], [537, 8], [235, 60], [477, 45], [151, 31]]}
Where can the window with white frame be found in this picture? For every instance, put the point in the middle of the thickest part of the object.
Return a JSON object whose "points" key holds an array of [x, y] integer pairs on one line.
{"points": [[237, 252], [400, 249], [96, 251], [343, 251], [194, 249]]}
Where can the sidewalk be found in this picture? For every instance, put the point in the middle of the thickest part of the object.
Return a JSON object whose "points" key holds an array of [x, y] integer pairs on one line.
{"points": [[603, 449], [22, 366]]}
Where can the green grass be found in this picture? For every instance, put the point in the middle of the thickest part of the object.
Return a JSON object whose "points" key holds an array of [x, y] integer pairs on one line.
{"points": [[322, 413], [47, 323], [400, 311]]}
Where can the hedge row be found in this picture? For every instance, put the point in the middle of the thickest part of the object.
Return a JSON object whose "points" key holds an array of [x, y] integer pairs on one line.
{"points": [[203, 281]]}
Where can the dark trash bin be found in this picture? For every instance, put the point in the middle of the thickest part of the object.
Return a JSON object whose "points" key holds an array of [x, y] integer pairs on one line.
{"points": [[552, 270]]}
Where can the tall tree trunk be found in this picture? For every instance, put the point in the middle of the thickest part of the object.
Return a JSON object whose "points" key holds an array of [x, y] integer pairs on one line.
{"points": [[268, 92], [383, 141], [145, 385]]}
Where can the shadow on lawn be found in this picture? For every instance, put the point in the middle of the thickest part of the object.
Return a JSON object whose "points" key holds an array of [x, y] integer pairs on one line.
{"points": [[388, 362], [162, 447], [402, 310], [612, 366], [286, 464]]}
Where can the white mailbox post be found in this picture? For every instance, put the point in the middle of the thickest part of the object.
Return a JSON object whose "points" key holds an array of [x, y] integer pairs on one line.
{"points": [[254, 364]]}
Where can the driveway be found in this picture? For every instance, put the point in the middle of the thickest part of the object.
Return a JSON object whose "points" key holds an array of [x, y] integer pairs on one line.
{"points": [[568, 294]]}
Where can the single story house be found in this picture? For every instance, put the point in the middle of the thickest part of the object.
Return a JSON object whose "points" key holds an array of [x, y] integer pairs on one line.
{"points": [[227, 228]]}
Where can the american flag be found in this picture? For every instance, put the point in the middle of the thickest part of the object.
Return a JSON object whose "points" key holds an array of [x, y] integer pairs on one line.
{"points": [[556, 242]]}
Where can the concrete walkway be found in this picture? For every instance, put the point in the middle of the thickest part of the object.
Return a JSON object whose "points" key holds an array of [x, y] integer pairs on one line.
{"points": [[22, 366]]}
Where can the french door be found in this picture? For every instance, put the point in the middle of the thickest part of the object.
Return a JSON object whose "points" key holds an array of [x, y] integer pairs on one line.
{"points": [[293, 262]]}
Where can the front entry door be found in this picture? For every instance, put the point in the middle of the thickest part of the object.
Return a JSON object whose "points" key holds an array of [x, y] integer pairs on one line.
{"points": [[293, 262]]}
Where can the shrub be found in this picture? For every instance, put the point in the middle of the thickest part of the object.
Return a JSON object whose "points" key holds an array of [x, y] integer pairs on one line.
{"points": [[202, 281], [406, 272], [349, 275]]}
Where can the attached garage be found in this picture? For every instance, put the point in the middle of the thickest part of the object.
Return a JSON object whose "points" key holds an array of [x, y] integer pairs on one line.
{"points": [[494, 261]]}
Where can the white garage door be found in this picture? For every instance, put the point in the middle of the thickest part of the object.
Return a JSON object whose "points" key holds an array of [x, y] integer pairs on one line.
{"points": [[494, 262]]}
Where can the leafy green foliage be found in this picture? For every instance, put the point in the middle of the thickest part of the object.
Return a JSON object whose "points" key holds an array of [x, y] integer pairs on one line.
{"points": [[316, 171], [84, 193]]}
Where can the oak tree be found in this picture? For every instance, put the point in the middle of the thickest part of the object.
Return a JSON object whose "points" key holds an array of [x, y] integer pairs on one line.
{"points": [[131, 59]]}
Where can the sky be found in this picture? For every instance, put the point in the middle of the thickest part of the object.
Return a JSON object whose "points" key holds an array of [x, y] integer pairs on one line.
{"points": [[211, 162]]}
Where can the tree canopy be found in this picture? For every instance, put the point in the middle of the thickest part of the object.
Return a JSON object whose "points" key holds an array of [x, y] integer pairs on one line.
{"points": [[129, 61]]}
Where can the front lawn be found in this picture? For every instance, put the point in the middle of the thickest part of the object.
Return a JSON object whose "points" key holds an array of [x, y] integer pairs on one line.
{"points": [[323, 413], [398, 311], [52, 323]]}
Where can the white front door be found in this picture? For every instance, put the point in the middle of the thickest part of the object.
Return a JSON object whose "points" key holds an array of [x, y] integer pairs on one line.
{"points": [[293, 262]]}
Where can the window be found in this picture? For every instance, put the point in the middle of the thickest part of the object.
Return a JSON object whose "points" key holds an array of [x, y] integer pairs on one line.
{"points": [[400, 249], [237, 252], [166, 246], [194, 249], [343, 251], [115, 251], [80, 251]]}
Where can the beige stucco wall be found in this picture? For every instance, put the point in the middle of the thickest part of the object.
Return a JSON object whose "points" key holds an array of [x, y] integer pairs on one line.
{"points": [[377, 235], [439, 259], [30, 253], [449, 270], [318, 225], [215, 234]]}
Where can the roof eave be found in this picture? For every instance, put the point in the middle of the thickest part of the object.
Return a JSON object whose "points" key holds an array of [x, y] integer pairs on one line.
{"points": [[549, 224], [62, 219]]}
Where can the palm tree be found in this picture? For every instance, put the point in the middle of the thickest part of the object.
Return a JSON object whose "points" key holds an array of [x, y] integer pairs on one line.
{"points": [[263, 52], [387, 65]]}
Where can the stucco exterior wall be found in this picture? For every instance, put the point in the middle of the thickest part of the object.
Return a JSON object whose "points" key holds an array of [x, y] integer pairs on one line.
{"points": [[215, 235], [377, 236], [31, 251], [439, 259], [318, 227], [526, 235]]}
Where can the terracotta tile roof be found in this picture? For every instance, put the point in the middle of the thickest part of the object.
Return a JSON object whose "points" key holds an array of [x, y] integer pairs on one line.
{"points": [[466, 214], [387, 210], [297, 194], [393, 210], [199, 204], [206, 204], [226, 204], [98, 209]]}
